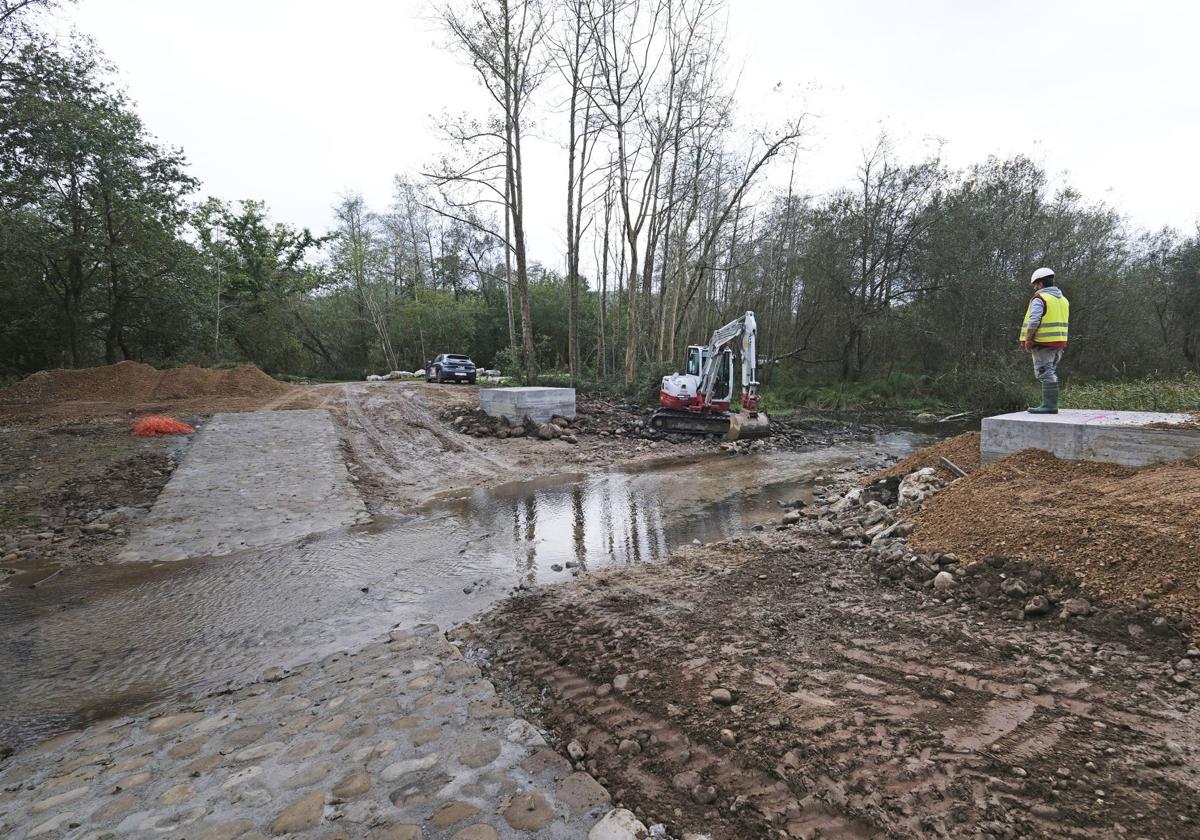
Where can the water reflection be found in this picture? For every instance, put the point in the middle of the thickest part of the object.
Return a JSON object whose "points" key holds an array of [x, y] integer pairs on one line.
{"points": [[102, 640]]}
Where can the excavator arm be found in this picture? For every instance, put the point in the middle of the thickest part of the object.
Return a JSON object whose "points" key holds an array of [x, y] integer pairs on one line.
{"points": [[746, 327]]}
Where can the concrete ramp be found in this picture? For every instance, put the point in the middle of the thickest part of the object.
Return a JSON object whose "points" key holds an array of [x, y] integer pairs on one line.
{"points": [[1115, 437], [250, 480]]}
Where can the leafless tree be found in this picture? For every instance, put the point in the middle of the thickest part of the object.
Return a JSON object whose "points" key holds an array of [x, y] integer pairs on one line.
{"points": [[503, 42]]}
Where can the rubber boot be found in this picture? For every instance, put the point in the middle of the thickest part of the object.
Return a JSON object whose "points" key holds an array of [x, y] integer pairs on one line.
{"points": [[1049, 400]]}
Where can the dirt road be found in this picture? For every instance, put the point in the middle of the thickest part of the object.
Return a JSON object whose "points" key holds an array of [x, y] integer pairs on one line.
{"points": [[403, 451], [774, 687]]}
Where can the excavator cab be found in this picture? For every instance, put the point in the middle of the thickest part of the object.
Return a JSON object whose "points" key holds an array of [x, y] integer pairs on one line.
{"points": [[695, 359], [722, 391]]}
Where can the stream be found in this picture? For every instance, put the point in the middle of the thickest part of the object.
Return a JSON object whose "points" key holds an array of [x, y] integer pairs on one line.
{"points": [[104, 640]]}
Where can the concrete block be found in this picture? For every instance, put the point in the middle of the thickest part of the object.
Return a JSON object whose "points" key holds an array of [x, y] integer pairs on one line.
{"points": [[538, 404], [1115, 437]]}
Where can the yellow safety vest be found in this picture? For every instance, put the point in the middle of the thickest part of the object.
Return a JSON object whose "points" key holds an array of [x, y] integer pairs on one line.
{"points": [[1053, 328]]}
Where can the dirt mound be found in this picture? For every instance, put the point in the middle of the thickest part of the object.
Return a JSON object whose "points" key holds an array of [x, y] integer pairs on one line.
{"points": [[55, 397], [962, 449], [244, 380], [1127, 533], [129, 379], [136, 381]]}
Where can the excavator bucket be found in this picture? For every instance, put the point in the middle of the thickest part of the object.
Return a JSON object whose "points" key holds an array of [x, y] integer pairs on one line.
{"points": [[744, 425]]}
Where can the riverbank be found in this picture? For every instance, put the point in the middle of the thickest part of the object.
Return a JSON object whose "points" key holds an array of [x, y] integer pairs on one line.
{"points": [[827, 679]]}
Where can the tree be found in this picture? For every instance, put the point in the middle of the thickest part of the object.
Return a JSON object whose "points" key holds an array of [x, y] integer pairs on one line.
{"points": [[502, 40]]}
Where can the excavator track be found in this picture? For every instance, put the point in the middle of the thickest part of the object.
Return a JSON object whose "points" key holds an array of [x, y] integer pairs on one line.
{"points": [[729, 425], [689, 422]]}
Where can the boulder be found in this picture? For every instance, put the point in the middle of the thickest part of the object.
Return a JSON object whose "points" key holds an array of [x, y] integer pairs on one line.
{"points": [[618, 824], [918, 486], [944, 582], [1037, 605]]}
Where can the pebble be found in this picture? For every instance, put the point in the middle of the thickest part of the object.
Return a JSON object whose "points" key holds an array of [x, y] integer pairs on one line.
{"points": [[943, 581], [728, 738], [628, 746], [721, 696]]}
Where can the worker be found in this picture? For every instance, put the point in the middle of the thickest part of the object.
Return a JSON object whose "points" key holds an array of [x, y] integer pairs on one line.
{"points": [[1044, 335]]}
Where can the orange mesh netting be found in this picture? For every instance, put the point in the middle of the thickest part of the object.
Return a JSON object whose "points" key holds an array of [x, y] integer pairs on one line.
{"points": [[156, 424]]}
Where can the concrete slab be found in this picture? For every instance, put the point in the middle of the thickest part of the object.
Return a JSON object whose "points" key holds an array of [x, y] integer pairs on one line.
{"points": [[537, 403], [1115, 437], [249, 480]]}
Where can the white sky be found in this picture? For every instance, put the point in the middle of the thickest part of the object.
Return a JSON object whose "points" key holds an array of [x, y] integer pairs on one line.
{"points": [[296, 102]]}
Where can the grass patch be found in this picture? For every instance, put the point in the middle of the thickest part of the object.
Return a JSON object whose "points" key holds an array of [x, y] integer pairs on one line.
{"points": [[10, 520], [897, 393], [1152, 393]]}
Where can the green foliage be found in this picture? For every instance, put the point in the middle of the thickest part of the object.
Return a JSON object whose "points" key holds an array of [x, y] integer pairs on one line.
{"points": [[1149, 393]]}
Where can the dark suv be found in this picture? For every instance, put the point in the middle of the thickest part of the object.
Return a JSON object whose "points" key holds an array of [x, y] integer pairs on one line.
{"points": [[450, 368]]}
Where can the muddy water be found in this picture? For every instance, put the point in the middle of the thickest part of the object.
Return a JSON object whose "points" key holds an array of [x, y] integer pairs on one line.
{"points": [[99, 641]]}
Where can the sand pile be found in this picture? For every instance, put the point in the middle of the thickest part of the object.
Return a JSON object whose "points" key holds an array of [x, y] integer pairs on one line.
{"points": [[962, 449], [134, 381], [1127, 532]]}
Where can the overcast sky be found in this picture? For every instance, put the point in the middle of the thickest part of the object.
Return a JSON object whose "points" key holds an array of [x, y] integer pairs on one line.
{"points": [[296, 102]]}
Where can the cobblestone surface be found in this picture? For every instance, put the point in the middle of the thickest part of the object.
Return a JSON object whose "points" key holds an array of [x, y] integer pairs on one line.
{"points": [[401, 741]]}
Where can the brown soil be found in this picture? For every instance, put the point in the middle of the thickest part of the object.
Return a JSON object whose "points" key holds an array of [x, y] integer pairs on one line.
{"points": [[407, 442], [858, 706], [127, 389], [1127, 533], [55, 483], [962, 450], [1192, 423]]}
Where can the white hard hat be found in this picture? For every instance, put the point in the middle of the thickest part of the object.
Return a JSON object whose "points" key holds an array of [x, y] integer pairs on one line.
{"points": [[1041, 274]]}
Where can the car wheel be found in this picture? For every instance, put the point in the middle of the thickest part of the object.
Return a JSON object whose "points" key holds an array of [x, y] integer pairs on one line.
{"points": [[471, 380], [439, 376]]}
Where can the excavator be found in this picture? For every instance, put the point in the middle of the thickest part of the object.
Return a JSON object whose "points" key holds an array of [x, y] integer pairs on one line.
{"points": [[698, 400]]}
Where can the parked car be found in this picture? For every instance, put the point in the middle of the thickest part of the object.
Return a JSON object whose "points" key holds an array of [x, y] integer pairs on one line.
{"points": [[450, 368]]}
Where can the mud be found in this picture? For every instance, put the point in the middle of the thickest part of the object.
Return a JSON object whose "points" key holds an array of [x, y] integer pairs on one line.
{"points": [[69, 495], [775, 686], [407, 442]]}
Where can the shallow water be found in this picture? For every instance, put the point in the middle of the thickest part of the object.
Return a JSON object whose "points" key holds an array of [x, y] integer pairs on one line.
{"points": [[103, 640]]}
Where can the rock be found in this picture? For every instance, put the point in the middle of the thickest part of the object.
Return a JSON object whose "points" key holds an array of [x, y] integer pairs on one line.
{"points": [[1076, 607], [1037, 605], [792, 517], [527, 811], [580, 793], [628, 746], [704, 794], [1183, 665], [728, 738], [449, 813], [402, 768], [548, 431], [516, 431], [570, 439], [944, 582], [916, 487], [576, 751], [618, 824], [300, 815], [721, 696], [1014, 588]]}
